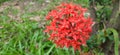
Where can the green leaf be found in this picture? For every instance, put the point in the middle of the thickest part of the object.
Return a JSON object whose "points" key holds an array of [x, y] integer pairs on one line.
{"points": [[116, 39], [50, 50]]}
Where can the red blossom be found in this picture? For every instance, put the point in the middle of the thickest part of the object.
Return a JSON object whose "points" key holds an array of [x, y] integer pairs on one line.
{"points": [[68, 26]]}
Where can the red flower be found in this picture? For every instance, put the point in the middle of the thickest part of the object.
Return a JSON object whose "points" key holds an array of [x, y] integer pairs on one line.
{"points": [[68, 26]]}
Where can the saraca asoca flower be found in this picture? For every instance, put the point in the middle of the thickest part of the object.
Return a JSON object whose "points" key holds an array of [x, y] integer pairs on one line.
{"points": [[69, 27]]}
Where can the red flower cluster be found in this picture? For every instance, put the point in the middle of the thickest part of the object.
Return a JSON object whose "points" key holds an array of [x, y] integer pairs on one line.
{"points": [[68, 26]]}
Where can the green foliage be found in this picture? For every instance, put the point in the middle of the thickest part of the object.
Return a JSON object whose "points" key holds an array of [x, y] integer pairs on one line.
{"points": [[104, 2], [103, 13], [1, 1], [96, 40], [84, 3]]}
